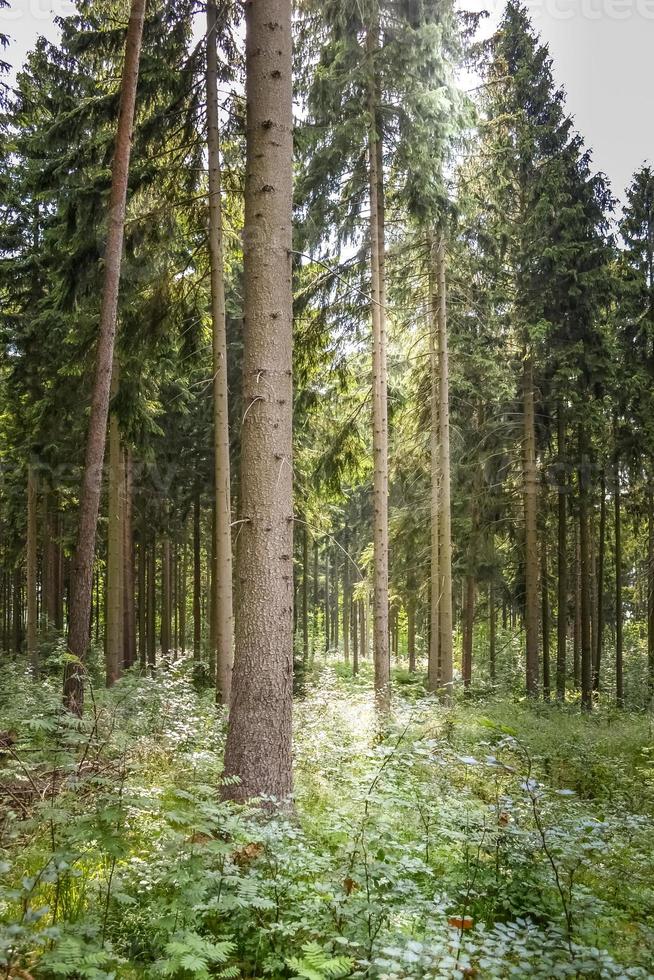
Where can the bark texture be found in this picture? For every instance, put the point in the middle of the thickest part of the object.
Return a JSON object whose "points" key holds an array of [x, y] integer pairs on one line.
{"points": [[445, 619], [259, 745], [530, 496], [224, 623], [82, 571]]}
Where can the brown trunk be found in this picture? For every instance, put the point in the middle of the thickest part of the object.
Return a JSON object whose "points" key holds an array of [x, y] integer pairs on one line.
{"points": [[259, 739], [82, 571], [619, 675], [468, 628], [650, 588], [562, 560], [129, 611], [381, 651], [346, 608], [585, 572], [433, 653], [530, 491], [576, 647], [545, 614], [142, 572], [363, 629], [165, 597], [305, 595], [445, 619], [600, 585], [181, 599], [314, 617], [152, 605], [224, 626], [197, 580], [327, 623], [411, 629], [492, 631], [32, 570], [355, 638], [114, 648]]}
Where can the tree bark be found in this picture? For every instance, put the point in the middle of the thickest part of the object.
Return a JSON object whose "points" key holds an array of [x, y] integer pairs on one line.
{"points": [[600, 586], [576, 646], [492, 628], [346, 607], [305, 595], [562, 560], [32, 570], [530, 491], [411, 628], [259, 738], [142, 574], [114, 647], [436, 580], [129, 626], [445, 623], [82, 571], [545, 615], [468, 628], [197, 580], [619, 672], [224, 626], [650, 588], [165, 596], [152, 606], [381, 652], [355, 638], [585, 570]]}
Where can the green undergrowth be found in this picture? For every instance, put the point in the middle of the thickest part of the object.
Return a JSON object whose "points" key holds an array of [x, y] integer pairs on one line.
{"points": [[490, 839]]}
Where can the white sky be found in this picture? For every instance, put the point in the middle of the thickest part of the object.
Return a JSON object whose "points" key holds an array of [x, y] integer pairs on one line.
{"points": [[603, 54]]}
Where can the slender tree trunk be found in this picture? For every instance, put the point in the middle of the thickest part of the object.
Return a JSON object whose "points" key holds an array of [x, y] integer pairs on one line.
{"points": [[183, 577], [576, 655], [619, 674], [82, 571], [355, 638], [436, 579], [530, 490], [142, 573], [445, 621], [379, 382], [650, 587], [562, 560], [411, 628], [165, 597], [197, 580], [468, 628], [114, 647], [363, 629], [32, 570], [224, 615], [305, 595], [327, 617], [492, 629], [314, 617], [346, 607], [600, 585], [545, 614], [334, 617], [152, 606], [259, 738], [585, 569], [129, 628]]}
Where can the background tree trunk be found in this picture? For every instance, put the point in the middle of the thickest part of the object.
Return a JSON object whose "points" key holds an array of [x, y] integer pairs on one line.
{"points": [[258, 747], [600, 585], [114, 647], [224, 626], [436, 579], [530, 489], [129, 626], [445, 621], [32, 570], [619, 672], [562, 560], [82, 571]]}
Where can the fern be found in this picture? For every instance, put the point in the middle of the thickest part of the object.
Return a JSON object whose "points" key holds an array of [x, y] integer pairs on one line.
{"points": [[315, 964]]}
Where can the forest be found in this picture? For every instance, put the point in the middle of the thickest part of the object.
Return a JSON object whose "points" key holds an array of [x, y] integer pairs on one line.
{"points": [[326, 502]]}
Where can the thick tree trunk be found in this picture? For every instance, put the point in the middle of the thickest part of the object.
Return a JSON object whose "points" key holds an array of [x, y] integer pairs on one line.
{"points": [[619, 673], [82, 572], [197, 580], [224, 626], [381, 651], [114, 647], [258, 747], [129, 611], [445, 623], [585, 570], [32, 570], [530, 492], [562, 560], [600, 586]]}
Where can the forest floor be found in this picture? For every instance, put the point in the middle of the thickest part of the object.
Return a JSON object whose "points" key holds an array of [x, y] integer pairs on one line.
{"points": [[493, 838]]}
